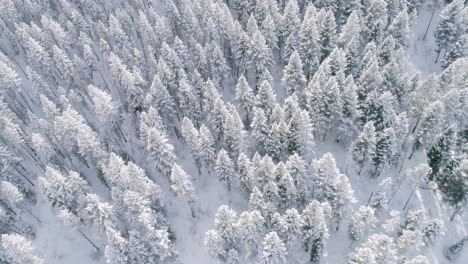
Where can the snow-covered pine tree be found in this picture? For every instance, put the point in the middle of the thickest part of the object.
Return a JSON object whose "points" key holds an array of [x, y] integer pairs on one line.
{"points": [[97, 212], [363, 221], [332, 186], [378, 248], [225, 169], [349, 113], [449, 28], [350, 30], [381, 197], [276, 142], [271, 32], [260, 127], [266, 98], [459, 50], [291, 20], [207, 146], [16, 249], [286, 187], [244, 97], [188, 101], [260, 57], [251, 227], [293, 76], [314, 230], [61, 191], [125, 79], [181, 184], [375, 20], [234, 133], [160, 150], [274, 250], [400, 29], [327, 32]]}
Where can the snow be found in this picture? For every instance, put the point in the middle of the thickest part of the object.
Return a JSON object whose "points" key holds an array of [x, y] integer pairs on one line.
{"points": [[60, 244], [422, 53]]}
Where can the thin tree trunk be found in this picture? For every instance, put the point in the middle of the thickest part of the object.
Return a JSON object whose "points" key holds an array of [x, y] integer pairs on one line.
{"points": [[409, 198], [370, 197], [89, 240], [455, 212], [29, 212], [437, 58], [428, 25]]}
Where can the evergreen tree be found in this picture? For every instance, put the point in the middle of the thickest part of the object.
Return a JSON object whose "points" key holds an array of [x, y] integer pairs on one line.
{"points": [[117, 248], [286, 187], [439, 156], [362, 223], [98, 212], [260, 57], [207, 146], [459, 50], [161, 151], [63, 192], [225, 169], [350, 30], [275, 143], [210, 95], [243, 9], [126, 80], [332, 186], [244, 97], [188, 101], [257, 201], [400, 29], [308, 42], [192, 138], [251, 27], [380, 199], [431, 231], [243, 168], [260, 127], [327, 32], [291, 20], [314, 230], [226, 228], [293, 77], [182, 184], [266, 98], [241, 48], [448, 29], [300, 134], [18, 250], [217, 63], [251, 229], [376, 20], [324, 103], [409, 244], [104, 106], [349, 114], [270, 30], [365, 147], [298, 170], [378, 248], [274, 250], [234, 134]]}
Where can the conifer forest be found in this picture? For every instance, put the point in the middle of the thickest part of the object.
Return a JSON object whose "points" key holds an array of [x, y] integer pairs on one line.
{"points": [[233, 131]]}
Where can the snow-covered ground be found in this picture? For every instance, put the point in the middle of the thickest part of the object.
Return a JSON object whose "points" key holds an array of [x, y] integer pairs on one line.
{"points": [[60, 244]]}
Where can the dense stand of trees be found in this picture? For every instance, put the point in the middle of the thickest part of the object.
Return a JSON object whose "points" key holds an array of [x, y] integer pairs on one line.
{"points": [[96, 98]]}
